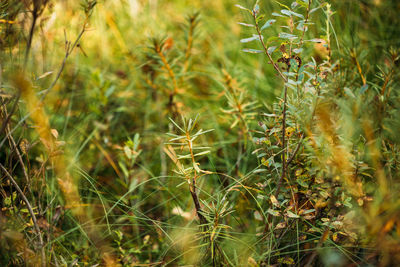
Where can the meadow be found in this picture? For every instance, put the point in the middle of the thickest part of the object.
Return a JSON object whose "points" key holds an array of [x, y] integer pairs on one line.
{"points": [[199, 133]]}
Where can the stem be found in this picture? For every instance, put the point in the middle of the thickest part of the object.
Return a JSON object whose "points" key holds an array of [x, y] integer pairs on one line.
{"points": [[276, 67], [168, 67], [35, 15], [192, 20], [305, 22], [192, 186], [284, 165]]}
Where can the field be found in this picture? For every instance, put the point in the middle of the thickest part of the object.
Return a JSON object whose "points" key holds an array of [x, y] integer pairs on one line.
{"points": [[199, 133]]}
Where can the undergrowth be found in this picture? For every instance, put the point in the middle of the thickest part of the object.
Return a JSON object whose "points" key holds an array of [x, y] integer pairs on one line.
{"points": [[158, 133]]}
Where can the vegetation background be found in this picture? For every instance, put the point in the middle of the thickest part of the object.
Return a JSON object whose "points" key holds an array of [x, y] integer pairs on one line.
{"points": [[199, 133]]}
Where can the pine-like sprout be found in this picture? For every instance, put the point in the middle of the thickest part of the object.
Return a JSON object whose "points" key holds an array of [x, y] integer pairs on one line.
{"points": [[186, 162]]}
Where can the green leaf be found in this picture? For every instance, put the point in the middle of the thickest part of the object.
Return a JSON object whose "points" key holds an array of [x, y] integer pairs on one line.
{"points": [[271, 49], [282, 5], [364, 88], [273, 212], [250, 39], [298, 50], [277, 15], [291, 13], [316, 40], [302, 3], [302, 183], [268, 24], [285, 35], [252, 51]]}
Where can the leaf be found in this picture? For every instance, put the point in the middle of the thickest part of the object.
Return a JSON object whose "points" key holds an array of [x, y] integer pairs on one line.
{"points": [[286, 12], [274, 201], [242, 7], [271, 49], [252, 51], [302, 183], [286, 260], [44, 75], [250, 39], [260, 170], [285, 35], [292, 215], [282, 5], [280, 225], [268, 24], [302, 3], [246, 24], [54, 132], [298, 50], [316, 40], [277, 15], [291, 13], [273, 212], [364, 88]]}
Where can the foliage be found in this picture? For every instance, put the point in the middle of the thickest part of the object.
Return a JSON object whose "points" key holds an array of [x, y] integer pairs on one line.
{"points": [[157, 133]]}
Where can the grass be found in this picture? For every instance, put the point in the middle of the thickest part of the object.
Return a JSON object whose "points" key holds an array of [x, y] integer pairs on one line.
{"points": [[164, 133]]}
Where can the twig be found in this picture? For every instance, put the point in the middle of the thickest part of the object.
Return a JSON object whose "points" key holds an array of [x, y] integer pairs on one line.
{"points": [[35, 223]]}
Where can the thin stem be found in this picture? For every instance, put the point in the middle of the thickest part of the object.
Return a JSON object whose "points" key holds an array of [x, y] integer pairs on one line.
{"points": [[35, 15], [192, 186], [68, 50], [188, 53], [164, 60], [305, 22], [276, 67], [284, 165], [295, 151]]}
